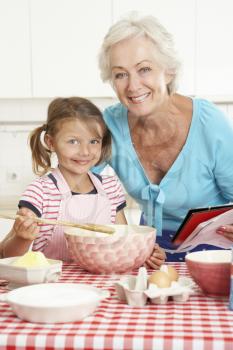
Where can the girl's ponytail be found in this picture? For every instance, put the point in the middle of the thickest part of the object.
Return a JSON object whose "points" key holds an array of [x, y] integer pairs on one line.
{"points": [[41, 155]]}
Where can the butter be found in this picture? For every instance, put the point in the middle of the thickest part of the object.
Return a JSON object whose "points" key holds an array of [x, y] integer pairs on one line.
{"points": [[31, 259]]}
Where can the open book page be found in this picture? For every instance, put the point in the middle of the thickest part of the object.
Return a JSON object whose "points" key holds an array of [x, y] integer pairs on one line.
{"points": [[205, 233]]}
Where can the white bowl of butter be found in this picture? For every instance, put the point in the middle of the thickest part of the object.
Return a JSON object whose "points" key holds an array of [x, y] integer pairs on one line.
{"points": [[30, 268]]}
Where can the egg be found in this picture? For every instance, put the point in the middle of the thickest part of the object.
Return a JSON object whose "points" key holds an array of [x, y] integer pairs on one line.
{"points": [[172, 273], [161, 279]]}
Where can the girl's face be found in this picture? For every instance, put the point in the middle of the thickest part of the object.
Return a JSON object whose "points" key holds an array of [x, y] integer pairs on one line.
{"points": [[77, 146], [140, 83]]}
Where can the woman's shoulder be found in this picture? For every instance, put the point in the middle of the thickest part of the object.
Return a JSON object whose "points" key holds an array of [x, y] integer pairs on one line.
{"points": [[210, 114], [115, 117], [207, 109], [212, 118], [114, 111]]}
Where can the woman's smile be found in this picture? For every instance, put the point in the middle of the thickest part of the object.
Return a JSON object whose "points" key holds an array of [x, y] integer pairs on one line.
{"points": [[139, 98]]}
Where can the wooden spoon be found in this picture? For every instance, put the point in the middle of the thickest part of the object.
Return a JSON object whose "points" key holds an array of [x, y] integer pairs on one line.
{"points": [[90, 227]]}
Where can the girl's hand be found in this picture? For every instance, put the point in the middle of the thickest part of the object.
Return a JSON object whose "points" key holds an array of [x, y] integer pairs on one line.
{"points": [[226, 231], [24, 227], [156, 259]]}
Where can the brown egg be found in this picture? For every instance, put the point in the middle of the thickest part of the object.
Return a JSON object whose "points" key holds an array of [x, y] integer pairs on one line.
{"points": [[172, 273], [161, 279]]}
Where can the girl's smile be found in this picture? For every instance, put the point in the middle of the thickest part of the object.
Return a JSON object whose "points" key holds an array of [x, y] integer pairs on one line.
{"points": [[78, 148]]}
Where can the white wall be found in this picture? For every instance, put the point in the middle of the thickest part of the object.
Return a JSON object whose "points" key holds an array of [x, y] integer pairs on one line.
{"points": [[29, 59]]}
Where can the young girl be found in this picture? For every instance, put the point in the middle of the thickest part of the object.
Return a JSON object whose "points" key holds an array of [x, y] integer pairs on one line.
{"points": [[75, 131], [77, 134]]}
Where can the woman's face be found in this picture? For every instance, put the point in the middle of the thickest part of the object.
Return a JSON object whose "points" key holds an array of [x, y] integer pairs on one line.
{"points": [[140, 83]]}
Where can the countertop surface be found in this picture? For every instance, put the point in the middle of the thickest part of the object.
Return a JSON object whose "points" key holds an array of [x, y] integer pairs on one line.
{"points": [[200, 323]]}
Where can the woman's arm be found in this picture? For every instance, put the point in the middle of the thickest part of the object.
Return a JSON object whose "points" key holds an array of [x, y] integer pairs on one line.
{"points": [[156, 259], [226, 231]]}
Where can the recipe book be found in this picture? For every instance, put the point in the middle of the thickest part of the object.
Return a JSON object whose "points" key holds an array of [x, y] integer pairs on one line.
{"points": [[199, 227]]}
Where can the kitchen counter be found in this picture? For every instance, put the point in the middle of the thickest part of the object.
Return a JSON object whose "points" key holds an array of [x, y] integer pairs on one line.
{"points": [[200, 323]]}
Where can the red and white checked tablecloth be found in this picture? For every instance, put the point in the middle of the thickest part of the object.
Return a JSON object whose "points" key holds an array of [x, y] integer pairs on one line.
{"points": [[199, 324]]}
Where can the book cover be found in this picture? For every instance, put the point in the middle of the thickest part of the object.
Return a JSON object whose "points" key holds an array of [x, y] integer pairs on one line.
{"points": [[195, 217]]}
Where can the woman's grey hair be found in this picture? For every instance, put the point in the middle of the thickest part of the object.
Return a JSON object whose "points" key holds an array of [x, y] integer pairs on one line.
{"points": [[147, 26]]}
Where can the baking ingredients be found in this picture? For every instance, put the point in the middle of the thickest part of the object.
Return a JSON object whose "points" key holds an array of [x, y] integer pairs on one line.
{"points": [[31, 259], [171, 271], [164, 277], [161, 279], [128, 292]]}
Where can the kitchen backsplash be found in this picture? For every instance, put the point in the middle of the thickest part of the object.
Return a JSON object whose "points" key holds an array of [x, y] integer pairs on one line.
{"points": [[17, 118]]}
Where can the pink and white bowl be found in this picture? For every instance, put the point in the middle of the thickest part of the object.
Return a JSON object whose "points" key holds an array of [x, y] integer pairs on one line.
{"points": [[211, 270], [123, 251]]}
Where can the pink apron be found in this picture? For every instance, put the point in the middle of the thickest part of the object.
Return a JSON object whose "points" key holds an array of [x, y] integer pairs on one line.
{"points": [[80, 208]]}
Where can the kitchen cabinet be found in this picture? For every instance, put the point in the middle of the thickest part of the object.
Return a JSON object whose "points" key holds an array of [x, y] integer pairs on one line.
{"points": [[49, 47], [178, 17], [214, 53], [5, 227], [16, 170], [15, 58], [66, 36]]}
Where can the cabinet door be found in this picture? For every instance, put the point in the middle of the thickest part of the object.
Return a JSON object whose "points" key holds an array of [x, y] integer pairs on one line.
{"points": [[178, 17], [66, 37], [214, 74], [16, 171], [15, 60]]}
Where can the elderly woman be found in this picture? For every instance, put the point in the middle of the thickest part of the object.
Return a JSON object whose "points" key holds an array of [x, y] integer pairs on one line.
{"points": [[171, 152]]}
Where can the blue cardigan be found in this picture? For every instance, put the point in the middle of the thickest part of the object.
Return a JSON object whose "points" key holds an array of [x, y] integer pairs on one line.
{"points": [[202, 174]]}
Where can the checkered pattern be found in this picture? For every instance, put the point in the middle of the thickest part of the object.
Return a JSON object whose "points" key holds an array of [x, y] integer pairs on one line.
{"points": [[200, 324]]}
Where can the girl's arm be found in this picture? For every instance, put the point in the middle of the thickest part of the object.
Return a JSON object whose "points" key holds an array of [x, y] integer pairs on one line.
{"points": [[120, 218], [19, 239]]}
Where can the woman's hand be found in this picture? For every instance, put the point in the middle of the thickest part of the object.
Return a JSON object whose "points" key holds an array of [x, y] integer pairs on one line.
{"points": [[156, 259], [24, 227], [226, 231]]}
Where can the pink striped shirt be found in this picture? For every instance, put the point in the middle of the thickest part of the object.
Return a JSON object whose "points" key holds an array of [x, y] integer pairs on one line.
{"points": [[43, 197]]}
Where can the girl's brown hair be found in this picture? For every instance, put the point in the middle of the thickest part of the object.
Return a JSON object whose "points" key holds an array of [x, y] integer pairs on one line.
{"points": [[59, 111]]}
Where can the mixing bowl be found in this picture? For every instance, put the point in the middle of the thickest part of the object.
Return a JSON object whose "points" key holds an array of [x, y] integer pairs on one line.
{"points": [[211, 269], [125, 250], [54, 302]]}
